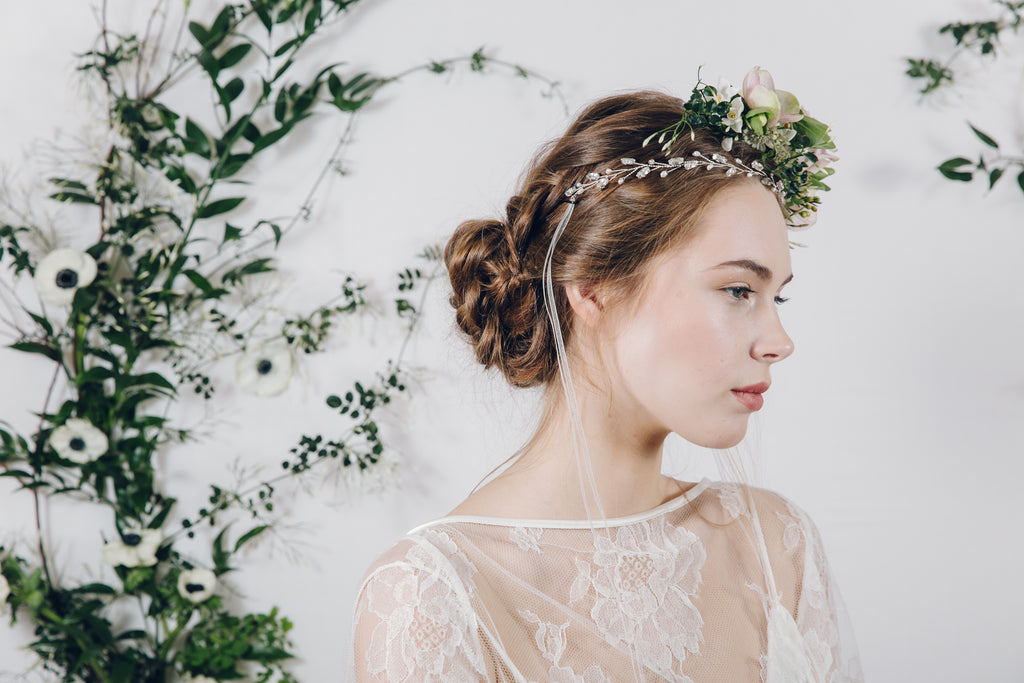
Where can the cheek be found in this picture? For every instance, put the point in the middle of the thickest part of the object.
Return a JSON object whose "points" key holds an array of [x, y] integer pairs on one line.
{"points": [[678, 348]]}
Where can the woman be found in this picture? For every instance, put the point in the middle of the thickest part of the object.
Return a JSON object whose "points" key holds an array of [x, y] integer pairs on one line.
{"points": [[636, 277]]}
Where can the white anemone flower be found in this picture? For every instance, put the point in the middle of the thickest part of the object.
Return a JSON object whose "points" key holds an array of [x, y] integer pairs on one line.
{"points": [[137, 548], [196, 585], [79, 441], [5, 590], [200, 679], [265, 371], [60, 274]]}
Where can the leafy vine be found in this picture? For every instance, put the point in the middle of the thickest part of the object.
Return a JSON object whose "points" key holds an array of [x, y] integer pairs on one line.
{"points": [[136, 321], [983, 38]]}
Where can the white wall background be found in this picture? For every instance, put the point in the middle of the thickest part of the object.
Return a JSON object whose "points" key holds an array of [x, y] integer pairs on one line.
{"points": [[897, 424]]}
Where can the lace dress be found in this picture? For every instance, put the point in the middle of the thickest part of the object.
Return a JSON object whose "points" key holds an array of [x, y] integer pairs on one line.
{"points": [[705, 588]]}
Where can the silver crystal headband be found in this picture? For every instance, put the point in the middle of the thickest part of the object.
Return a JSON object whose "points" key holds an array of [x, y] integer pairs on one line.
{"points": [[632, 168]]}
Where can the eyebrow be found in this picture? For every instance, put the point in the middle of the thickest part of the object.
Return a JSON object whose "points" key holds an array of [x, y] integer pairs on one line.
{"points": [[762, 272]]}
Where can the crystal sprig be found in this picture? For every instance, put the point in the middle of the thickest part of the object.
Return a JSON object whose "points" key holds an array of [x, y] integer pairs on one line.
{"points": [[632, 168]]}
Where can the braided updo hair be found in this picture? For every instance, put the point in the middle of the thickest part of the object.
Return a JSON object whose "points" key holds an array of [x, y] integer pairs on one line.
{"points": [[495, 265]]}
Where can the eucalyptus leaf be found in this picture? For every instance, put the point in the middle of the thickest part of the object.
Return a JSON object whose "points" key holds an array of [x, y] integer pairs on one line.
{"points": [[984, 138], [234, 55], [994, 176], [249, 535], [36, 347], [219, 206], [951, 169]]}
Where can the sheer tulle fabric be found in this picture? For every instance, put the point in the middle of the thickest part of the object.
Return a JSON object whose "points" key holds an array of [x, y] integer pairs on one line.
{"points": [[680, 594]]}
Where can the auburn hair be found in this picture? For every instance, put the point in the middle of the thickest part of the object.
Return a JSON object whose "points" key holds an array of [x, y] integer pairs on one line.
{"points": [[495, 265]]}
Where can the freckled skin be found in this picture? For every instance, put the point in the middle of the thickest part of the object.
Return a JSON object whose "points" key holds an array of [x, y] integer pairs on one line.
{"points": [[696, 334]]}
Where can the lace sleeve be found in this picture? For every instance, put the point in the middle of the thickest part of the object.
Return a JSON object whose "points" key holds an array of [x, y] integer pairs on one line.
{"points": [[821, 616], [413, 621]]}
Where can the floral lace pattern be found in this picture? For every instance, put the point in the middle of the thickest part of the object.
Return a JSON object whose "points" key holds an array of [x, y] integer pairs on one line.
{"points": [[526, 538], [657, 597], [551, 641], [424, 632], [643, 581]]}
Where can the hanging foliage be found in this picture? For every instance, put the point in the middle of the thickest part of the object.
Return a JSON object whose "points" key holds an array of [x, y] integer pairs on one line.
{"points": [[158, 287]]}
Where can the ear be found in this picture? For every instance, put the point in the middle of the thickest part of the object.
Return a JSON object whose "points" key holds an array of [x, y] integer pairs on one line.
{"points": [[587, 303]]}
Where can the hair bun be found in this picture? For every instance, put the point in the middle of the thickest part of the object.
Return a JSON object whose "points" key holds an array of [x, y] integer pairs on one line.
{"points": [[496, 304]]}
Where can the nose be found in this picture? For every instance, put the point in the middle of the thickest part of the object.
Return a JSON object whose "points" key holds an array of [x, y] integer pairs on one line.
{"points": [[772, 344]]}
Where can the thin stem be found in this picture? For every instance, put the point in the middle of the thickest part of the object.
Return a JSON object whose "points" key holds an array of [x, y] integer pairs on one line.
{"points": [[396, 364], [38, 471], [553, 85]]}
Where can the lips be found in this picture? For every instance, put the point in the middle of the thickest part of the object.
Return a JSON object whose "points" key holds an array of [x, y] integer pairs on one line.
{"points": [[750, 397]]}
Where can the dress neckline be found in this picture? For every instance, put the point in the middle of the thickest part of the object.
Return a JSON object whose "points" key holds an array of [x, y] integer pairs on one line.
{"points": [[683, 498]]}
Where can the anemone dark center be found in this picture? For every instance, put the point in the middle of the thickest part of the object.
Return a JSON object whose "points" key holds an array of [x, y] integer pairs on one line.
{"points": [[194, 587], [132, 539], [66, 278], [77, 444], [264, 367]]}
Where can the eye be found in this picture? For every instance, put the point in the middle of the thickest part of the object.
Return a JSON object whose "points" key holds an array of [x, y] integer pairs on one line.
{"points": [[779, 300], [739, 292]]}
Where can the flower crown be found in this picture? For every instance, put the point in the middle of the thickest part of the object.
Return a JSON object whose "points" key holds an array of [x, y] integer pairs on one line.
{"points": [[796, 150]]}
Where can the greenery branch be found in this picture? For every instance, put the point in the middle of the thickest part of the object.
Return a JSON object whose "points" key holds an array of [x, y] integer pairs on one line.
{"points": [[151, 306], [984, 39]]}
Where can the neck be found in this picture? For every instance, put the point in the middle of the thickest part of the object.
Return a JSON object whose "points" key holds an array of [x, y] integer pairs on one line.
{"points": [[625, 459]]}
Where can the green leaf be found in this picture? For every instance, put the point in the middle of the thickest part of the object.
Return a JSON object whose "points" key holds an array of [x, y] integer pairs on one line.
{"points": [[816, 132], [285, 46], [199, 32], [134, 634], [1020, 181], [264, 15], [231, 233], [234, 55], [984, 138], [251, 132], [219, 206], [231, 90], [209, 63], [209, 291], [280, 106], [196, 141], [161, 517], [233, 163], [249, 535], [68, 184], [74, 197], [270, 138], [220, 556], [261, 265], [994, 176], [35, 347], [153, 379], [96, 374], [353, 95], [95, 588], [258, 652], [312, 18], [950, 169], [136, 577]]}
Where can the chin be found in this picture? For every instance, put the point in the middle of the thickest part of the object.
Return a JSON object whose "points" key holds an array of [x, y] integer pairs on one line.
{"points": [[727, 438]]}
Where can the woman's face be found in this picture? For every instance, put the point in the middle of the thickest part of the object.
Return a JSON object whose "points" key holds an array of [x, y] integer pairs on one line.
{"points": [[694, 356]]}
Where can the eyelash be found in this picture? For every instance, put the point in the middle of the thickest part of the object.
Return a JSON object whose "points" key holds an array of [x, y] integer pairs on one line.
{"points": [[745, 292]]}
